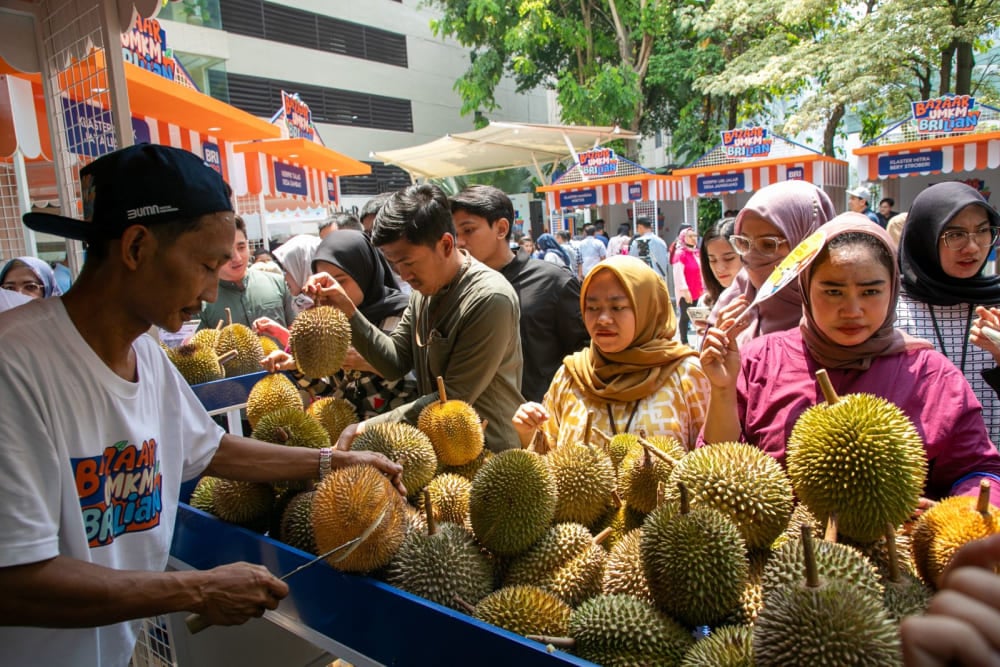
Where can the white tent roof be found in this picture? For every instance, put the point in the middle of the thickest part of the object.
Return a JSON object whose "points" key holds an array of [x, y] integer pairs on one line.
{"points": [[498, 146]]}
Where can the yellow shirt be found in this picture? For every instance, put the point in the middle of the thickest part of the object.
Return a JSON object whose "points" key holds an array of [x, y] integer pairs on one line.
{"points": [[677, 408]]}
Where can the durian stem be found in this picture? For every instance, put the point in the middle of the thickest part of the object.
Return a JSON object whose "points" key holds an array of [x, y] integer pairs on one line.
{"points": [[441, 390], [429, 513], [469, 609], [983, 503], [826, 387], [218, 327], [603, 535], [594, 429], [587, 428], [483, 424], [229, 316], [227, 357], [890, 542], [558, 642], [809, 556], [661, 492], [616, 499], [281, 434], [685, 499], [831, 528], [540, 444], [656, 451]]}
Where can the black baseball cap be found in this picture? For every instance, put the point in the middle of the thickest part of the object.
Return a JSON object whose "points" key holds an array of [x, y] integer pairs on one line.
{"points": [[145, 184]]}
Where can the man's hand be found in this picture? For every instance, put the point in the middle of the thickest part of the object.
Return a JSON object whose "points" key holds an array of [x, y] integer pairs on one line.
{"points": [[390, 469], [353, 361], [279, 360], [235, 593], [324, 290]]}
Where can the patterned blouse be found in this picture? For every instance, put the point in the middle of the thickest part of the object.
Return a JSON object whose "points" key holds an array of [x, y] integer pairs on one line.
{"points": [[951, 338], [677, 409]]}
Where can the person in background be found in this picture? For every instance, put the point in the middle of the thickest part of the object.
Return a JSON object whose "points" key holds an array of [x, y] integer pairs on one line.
{"points": [[719, 261], [262, 254], [687, 276], [774, 221], [600, 233], [553, 252], [370, 210], [98, 429], [248, 295], [591, 249], [29, 276], [11, 299], [461, 324], [295, 258], [650, 248], [325, 226], [566, 241], [527, 245], [633, 376], [885, 212], [946, 241], [64, 277], [858, 201], [348, 221], [551, 326], [895, 227], [618, 244], [849, 294]]}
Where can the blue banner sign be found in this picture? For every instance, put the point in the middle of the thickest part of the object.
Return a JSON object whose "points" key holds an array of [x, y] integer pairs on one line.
{"points": [[290, 180], [910, 163], [795, 174], [331, 188], [724, 183], [635, 192], [578, 198], [213, 158], [91, 132]]}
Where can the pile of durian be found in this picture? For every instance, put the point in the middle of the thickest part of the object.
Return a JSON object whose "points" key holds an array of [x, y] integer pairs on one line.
{"points": [[627, 549]]}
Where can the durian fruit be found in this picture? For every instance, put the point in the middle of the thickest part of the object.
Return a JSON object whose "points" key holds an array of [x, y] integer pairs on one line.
{"points": [[858, 457], [623, 572], [268, 344], [244, 503], [823, 621], [206, 337], [291, 427], [615, 630], [318, 340], [525, 610], [512, 502], [695, 562], [585, 481], [335, 414], [449, 495], [441, 564], [196, 363], [801, 516], [741, 481], [272, 392], [453, 427], [204, 490], [620, 447], [945, 527], [566, 561], [296, 523], [621, 519], [905, 595], [469, 470], [643, 474], [358, 501], [407, 446], [833, 561], [249, 352], [727, 646], [752, 595]]}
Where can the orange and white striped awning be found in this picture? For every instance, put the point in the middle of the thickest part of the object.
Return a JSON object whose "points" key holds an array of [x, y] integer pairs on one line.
{"points": [[621, 190], [752, 175], [943, 155]]}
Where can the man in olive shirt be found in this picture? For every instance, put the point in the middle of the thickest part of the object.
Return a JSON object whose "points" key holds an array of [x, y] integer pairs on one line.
{"points": [[549, 295], [461, 323], [249, 295]]}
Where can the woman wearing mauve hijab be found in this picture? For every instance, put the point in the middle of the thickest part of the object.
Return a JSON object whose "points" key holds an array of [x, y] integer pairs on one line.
{"points": [[774, 221], [945, 244], [847, 327]]}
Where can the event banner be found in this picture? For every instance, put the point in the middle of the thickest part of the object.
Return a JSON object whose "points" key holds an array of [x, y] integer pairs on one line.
{"points": [[145, 45], [910, 163], [290, 180], [747, 142], [297, 116], [953, 114], [709, 185], [90, 130], [576, 198], [331, 188], [598, 162]]}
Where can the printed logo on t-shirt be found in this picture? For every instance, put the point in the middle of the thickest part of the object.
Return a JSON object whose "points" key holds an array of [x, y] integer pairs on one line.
{"points": [[119, 491]]}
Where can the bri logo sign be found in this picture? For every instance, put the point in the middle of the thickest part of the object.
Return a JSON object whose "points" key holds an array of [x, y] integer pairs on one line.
{"points": [[952, 114], [747, 142], [120, 491]]}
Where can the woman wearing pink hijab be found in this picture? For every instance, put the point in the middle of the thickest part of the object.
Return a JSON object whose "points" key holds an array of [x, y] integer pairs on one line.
{"points": [[773, 222]]}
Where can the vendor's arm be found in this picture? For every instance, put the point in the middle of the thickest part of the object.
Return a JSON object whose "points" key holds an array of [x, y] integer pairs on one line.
{"points": [[720, 361], [988, 318], [65, 592]]}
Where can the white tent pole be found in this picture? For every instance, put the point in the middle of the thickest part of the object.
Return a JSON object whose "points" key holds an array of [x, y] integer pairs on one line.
{"points": [[24, 201], [572, 151]]}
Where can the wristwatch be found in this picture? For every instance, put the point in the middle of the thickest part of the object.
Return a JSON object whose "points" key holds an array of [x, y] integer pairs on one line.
{"points": [[325, 461]]}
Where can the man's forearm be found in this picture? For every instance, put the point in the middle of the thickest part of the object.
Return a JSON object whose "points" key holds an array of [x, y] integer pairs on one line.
{"points": [[250, 460], [378, 348]]}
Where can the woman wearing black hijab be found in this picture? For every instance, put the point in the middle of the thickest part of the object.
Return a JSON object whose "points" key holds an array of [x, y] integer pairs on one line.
{"points": [[946, 242], [350, 258]]}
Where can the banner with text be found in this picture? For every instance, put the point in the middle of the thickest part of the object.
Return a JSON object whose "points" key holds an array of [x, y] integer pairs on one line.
{"points": [[747, 142], [578, 198], [290, 180], [953, 114], [910, 163], [598, 162], [90, 130], [145, 45], [708, 185], [297, 117]]}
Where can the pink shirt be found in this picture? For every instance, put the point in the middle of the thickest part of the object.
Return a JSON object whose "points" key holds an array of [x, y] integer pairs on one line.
{"points": [[688, 258], [777, 384]]}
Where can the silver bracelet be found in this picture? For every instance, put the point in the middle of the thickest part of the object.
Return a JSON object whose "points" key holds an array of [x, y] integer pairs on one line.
{"points": [[325, 461]]}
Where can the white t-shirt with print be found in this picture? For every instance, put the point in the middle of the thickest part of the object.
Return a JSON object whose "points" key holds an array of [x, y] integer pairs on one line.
{"points": [[91, 467]]}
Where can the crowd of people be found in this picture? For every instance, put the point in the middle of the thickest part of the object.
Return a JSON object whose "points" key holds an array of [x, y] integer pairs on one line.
{"points": [[537, 335]]}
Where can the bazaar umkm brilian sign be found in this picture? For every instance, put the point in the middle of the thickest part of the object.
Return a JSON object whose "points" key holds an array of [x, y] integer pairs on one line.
{"points": [[297, 116], [952, 114], [598, 162], [145, 45], [746, 142]]}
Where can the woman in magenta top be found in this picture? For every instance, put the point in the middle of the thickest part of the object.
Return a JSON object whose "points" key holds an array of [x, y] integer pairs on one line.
{"points": [[849, 298]]}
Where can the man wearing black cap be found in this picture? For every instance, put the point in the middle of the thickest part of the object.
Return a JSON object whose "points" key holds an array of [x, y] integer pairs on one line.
{"points": [[98, 430]]}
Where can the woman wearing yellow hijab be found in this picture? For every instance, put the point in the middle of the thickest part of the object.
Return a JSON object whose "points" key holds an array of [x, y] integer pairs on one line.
{"points": [[633, 376]]}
